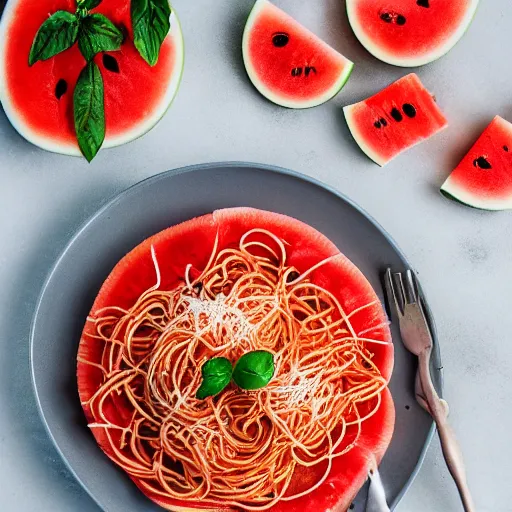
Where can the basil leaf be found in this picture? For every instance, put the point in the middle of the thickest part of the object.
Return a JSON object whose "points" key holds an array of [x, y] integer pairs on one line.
{"points": [[89, 110], [150, 21], [88, 4], [216, 376], [98, 34], [254, 370], [56, 34]]}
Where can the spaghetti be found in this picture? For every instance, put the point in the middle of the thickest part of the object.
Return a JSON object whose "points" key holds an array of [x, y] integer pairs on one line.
{"points": [[239, 448]]}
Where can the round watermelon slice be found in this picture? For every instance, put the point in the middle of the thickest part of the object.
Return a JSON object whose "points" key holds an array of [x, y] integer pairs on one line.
{"points": [[484, 177], [410, 33], [38, 99], [191, 243], [287, 63], [395, 119]]}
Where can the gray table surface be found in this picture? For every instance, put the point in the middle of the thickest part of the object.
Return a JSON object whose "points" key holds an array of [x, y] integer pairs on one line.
{"points": [[463, 255]]}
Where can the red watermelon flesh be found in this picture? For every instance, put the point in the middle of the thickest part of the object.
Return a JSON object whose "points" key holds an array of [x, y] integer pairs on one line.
{"points": [[395, 119], [287, 63], [136, 96], [484, 177], [192, 242], [410, 32]]}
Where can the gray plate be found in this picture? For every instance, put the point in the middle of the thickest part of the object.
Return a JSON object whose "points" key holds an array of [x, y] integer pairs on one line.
{"points": [[158, 203]]}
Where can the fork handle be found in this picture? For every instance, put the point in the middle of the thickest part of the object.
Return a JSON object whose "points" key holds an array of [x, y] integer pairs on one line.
{"points": [[451, 449]]}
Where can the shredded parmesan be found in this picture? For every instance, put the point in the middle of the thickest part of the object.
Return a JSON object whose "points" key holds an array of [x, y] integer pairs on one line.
{"points": [[301, 388], [219, 314]]}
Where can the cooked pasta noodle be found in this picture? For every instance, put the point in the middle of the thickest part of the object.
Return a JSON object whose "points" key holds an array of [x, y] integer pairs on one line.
{"points": [[239, 448]]}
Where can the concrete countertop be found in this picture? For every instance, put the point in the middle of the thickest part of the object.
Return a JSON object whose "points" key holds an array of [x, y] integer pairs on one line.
{"points": [[463, 255]]}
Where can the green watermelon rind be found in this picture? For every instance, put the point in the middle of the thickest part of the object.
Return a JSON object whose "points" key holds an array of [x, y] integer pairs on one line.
{"points": [[71, 149], [457, 194], [389, 58], [271, 95]]}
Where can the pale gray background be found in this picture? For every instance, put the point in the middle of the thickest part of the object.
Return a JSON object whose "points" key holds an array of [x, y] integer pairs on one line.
{"points": [[463, 255]]}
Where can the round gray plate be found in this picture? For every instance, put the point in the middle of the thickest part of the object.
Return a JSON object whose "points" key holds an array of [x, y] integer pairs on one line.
{"points": [[156, 204]]}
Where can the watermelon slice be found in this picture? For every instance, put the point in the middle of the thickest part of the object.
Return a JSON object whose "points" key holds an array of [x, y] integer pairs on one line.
{"points": [[484, 177], [192, 243], [38, 100], [410, 33], [287, 63], [395, 119]]}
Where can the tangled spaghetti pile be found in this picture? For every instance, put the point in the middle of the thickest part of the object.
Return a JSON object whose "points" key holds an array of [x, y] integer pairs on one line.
{"points": [[239, 448]]}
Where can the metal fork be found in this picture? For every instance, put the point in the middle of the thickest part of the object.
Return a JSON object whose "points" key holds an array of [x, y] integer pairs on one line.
{"points": [[405, 295]]}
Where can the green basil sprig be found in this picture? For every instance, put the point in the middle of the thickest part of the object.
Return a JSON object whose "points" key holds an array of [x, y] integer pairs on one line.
{"points": [[151, 24], [95, 33], [58, 33], [216, 376], [254, 370], [89, 110], [98, 34]]}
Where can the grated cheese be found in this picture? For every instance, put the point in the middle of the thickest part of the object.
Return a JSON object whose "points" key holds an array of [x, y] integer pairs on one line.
{"points": [[219, 313], [302, 390]]}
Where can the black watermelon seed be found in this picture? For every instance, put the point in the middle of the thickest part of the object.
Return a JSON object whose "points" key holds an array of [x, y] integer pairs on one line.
{"points": [[352, 506], [380, 123], [61, 88], [482, 162], [387, 17], [409, 110], [110, 63], [401, 20], [280, 39], [423, 3], [310, 69], [396, 115], [407, 407], [296, 71], [506, 148]]}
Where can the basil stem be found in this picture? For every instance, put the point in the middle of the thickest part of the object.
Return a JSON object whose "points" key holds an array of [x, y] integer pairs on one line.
{"points": [[88, 4]]}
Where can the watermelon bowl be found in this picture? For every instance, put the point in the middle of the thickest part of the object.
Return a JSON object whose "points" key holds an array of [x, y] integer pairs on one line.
{"points": [[90, 256]]}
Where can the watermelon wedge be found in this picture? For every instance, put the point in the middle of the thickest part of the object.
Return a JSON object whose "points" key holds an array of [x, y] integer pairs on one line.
{"points": [[191, 243], [38, 99], [395, 119], [484, 177], [410, 33], [287, 63]]}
